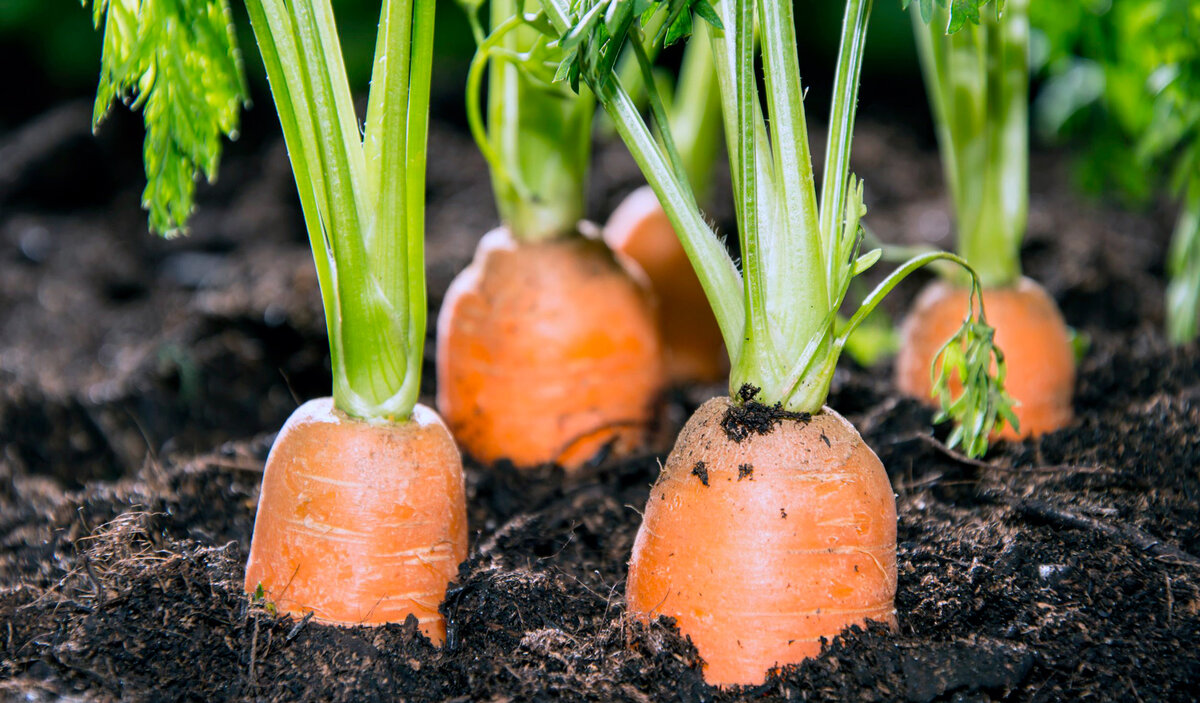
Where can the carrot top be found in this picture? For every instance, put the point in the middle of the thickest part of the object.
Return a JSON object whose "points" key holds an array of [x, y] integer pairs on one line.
{"points": [[537, 136], [799, 248]]}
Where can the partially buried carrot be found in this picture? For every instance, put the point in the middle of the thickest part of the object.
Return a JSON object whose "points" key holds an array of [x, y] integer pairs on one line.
{"points": [[692, 346], [547, 352], [759, 548], [977, 78], [548, 349], [1029, 328], [360, 523], [362, 516], [772, 526]]}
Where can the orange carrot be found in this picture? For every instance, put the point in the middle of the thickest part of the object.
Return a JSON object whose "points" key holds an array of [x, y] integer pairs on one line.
{"points": [[762, 547], [360, 523], [547, 351], [1030, 330], [693, 349]]}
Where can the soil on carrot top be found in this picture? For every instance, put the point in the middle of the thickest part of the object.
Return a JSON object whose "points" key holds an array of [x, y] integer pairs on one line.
{"points": [[140, 382]]}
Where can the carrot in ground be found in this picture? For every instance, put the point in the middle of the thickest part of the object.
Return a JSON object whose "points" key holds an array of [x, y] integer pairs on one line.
{"points": [[547, 352], [693, 350], [362, 516], [548, 346], [381, 504], [1029, 328], [773, 525], [692, 346], [977, 77], [795, 529]]}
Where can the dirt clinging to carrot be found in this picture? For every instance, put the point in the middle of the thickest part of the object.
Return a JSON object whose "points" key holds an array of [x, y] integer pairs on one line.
{"points": [[748, 416]]}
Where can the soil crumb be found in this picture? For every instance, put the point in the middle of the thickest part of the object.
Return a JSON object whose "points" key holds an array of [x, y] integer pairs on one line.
{"points": [[747, 416]]}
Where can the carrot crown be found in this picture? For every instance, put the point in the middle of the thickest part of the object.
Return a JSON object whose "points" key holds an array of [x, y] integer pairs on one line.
{"points": [[975, 57], [362, 192], [537, 136], [799, 251]]}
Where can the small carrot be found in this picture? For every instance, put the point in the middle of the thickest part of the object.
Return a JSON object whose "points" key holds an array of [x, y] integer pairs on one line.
{"points": [[1029, 328], [548, 348], [360, 523], [692, 346], [977, 79], [795, 529], [547, 351]]}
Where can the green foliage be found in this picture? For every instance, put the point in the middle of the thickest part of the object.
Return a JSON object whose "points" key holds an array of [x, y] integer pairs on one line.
{"points": [[1123, 78], [983, 405], [594, 42], [1126, 77], [961, 12], [177, 61], [537, 136]]}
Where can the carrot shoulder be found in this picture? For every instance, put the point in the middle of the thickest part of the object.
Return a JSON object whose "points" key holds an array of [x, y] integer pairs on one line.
{"points": [[547, 351], [1030, 330], [693, 350], [360, 523], [762, 547]]}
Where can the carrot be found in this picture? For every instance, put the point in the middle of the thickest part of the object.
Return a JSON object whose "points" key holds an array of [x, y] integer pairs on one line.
{"points": [[761, 548], [360, 523], [977, 78], [548, 348], [547, 351], [692, 346], [772, 525], [1030, 329], [362, 516]]}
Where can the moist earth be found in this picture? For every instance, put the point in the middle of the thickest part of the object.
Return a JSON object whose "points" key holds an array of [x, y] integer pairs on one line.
{"points": [[140, 382]]}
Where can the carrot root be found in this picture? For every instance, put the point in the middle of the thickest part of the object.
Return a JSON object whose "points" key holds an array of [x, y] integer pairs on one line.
{"points": [[548, 352], [359, 523], [789, 538], [693, 349], [1029, 330]]}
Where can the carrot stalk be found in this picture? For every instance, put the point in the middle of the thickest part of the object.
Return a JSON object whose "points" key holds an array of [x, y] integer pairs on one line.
{"points": [[641, 230]]}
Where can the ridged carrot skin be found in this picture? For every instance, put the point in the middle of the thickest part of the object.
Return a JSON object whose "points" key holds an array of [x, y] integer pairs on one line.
{"points": [[548, 352], [761, 548], [360, 523], [1030, 331], [693, 350]]}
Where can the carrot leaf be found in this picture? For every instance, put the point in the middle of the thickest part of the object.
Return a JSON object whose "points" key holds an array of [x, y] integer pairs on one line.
{"points": [[983, 405], [178, 62]]}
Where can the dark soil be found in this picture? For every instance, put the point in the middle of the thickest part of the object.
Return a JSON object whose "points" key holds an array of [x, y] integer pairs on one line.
{"points": [[140, 381]]}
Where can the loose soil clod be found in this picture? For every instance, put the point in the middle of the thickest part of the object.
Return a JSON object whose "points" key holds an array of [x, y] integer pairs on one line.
{"points": [[747, 416]]}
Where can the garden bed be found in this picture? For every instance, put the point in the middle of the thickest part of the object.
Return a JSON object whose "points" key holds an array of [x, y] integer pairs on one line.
{"points": [[140, 381]]}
